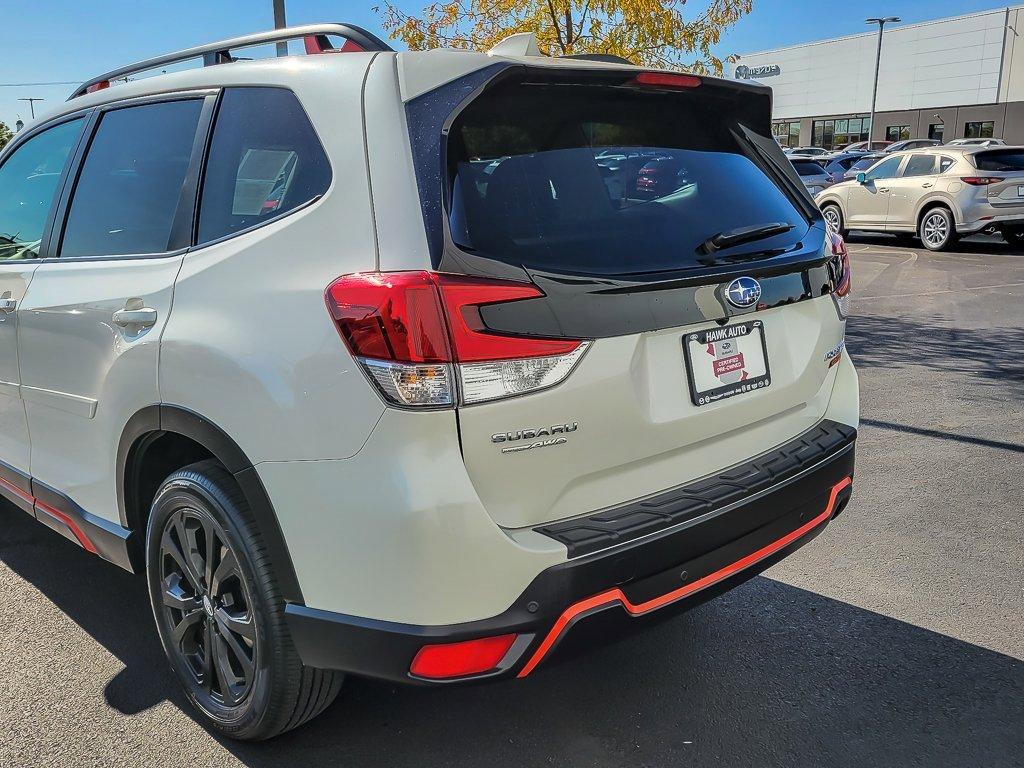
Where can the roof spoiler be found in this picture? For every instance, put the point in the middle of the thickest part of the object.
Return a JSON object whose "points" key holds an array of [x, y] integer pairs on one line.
{"points": [[525, 44], [314, 36]]}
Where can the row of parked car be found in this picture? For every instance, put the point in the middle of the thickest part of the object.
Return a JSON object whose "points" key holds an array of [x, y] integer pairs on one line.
{"points": [[919, 188]]}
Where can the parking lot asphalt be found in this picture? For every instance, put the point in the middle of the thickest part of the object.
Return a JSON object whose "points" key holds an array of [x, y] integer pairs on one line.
{"points": [[894, 639]]}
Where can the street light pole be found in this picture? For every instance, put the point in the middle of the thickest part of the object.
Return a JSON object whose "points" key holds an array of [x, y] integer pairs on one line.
{"points": [[32, 105], [881, 22], [280, 23]]}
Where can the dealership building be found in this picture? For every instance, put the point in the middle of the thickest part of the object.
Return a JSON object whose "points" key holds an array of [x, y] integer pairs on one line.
{"points": [[946, 79]]}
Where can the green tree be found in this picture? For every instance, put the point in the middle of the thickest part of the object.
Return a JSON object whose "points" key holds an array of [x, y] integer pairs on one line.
{"points": [[6, 134], [652, 33]]}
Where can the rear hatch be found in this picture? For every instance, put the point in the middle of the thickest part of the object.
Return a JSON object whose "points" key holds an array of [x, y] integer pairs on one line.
{"points": [[638, 208], [1003, 172]]}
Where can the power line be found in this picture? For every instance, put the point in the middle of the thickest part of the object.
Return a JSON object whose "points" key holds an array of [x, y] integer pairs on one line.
{"points": [[29, 85]]}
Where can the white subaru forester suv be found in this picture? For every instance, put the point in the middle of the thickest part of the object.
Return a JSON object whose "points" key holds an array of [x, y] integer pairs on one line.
{"points": [[403, 364]]}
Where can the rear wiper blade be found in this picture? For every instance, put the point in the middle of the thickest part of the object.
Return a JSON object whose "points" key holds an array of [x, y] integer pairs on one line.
{"points": [[740, 235]]}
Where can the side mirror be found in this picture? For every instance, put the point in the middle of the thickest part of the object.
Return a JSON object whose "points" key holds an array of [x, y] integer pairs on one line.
{"points": [[862, 178]]}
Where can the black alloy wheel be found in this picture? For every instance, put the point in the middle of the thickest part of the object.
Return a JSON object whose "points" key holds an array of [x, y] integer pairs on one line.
{"points": [[206, 603], [219, 610]]}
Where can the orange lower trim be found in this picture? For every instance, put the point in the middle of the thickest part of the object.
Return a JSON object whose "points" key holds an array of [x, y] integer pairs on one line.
{"points": [[17, 491], [616, 595], [70, 523]]}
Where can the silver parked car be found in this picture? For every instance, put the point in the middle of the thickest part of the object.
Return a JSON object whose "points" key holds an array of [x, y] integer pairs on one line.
{"points": [[939, 193], [812, 174], [806, 151], [976, 143]]}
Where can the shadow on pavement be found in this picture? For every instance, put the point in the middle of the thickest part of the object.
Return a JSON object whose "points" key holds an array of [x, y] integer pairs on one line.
{"points": [[766, 675], [988, 356]]}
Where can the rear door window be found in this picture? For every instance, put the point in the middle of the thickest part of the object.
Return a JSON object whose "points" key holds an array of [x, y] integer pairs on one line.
{"points": [[28, 184], [129, 187], [604, 179], [919, 165], [265, 160]]}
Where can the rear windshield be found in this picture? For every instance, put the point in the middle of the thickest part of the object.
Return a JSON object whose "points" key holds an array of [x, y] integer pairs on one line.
{"points": [[603, 179], [808, 169], [863, 163], [1000, 160]]}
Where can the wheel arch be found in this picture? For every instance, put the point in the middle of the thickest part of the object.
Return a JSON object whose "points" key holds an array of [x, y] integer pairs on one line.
{"points": [[193, 437], [833, 200], [936, 201]]}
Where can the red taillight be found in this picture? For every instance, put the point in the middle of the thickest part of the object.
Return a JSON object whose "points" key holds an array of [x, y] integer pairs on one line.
{"points": [[844, 280], [980, 181], [98, 86], [843, 255], [667, 80], [413, 330], [472, 657], [471, 341], [390, 316]]}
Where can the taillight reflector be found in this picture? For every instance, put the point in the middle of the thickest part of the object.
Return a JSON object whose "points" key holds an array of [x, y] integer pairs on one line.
{"points": [[980, 181], [98, 86], [667, 80], [452, 660]]}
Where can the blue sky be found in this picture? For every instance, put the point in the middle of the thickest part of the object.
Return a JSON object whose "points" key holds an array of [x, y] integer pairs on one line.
{"points": [[56, 40]]}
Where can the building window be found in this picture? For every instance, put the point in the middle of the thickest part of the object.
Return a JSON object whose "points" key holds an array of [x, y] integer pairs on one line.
{"points": [[935, 131], [836, 134], [897, 132], [787, 133], [982, 130]]}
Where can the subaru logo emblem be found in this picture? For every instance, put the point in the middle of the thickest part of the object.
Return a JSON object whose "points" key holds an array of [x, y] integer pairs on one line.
{"points": [[743, 292]]}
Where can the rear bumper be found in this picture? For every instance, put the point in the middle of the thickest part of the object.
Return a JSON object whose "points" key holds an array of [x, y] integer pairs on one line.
{"points": [[730, 539], [984, 215]]}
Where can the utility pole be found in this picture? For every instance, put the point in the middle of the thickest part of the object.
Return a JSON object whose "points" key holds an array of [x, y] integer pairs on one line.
{"points": [[32, 105], [280, 23], [881, 22]]}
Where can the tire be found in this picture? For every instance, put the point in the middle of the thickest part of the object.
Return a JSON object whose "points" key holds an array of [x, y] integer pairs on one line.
{"points": [[253, 686], [1014, 236], [834, 218], [936, 229]]}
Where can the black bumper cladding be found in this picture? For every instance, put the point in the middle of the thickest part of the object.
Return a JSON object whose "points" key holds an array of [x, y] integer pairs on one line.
{"points": [[675, 549]]}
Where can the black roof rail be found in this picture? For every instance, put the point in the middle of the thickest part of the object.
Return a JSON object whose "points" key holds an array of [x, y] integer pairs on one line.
{"points": [[314, 36]]}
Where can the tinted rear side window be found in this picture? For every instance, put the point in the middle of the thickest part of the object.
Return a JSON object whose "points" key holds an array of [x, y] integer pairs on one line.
{"points": [[265, 160], [808, 169], [1000, 160], [127, 193], [602, 179]]}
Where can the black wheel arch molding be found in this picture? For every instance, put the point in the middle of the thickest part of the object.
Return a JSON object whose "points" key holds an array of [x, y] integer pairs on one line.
{"points": [[121, 543], [155, 421]]}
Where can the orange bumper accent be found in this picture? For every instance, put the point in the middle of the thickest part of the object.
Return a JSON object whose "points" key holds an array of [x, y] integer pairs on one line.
{"points": [[616, 595]]}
